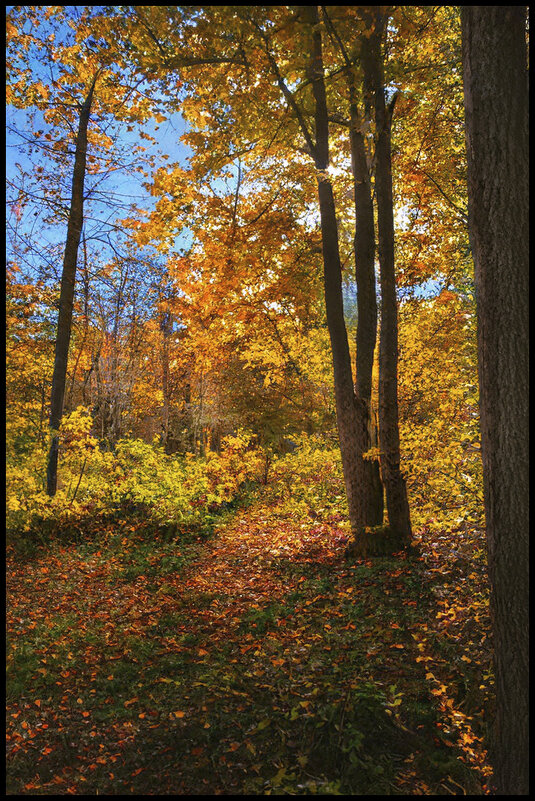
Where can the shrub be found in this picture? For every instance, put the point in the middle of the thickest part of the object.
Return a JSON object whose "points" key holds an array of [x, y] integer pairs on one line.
{"points": [[137, 478], [309, 479]]}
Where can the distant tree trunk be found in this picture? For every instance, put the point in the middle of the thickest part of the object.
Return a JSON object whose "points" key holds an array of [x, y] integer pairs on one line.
{"points": [[68, 278], [85, 329], [395, 487], [187, 418], [166, 327], [496, 108], [116, 375]]}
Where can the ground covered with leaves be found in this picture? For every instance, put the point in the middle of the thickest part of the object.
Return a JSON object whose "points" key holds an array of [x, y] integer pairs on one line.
{"points": [[256, 660]]}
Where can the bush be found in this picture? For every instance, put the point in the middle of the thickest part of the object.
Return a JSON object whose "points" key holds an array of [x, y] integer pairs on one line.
{"points": [[137, 479], [309, 479]]}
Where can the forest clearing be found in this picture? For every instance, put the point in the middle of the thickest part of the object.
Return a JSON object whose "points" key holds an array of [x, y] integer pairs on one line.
{"points": [[267, 440]]}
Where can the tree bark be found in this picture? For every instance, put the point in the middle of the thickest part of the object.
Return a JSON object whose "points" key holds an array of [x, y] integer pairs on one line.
{"points": [[66, 300], [496, 109], [394, 482]]}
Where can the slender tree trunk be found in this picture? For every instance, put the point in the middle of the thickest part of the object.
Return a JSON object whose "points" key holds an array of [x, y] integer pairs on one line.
{"points": [[364, 250], [364, 244], [115, 382], [496, 107], [166, 327], [395, 487], [85, 329], [85, 274], [68, 278], [350, 412], [364, 247], [350, 415]]}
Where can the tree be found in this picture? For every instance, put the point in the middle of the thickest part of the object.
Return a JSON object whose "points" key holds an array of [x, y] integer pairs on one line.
{"points": [[66, 299], [364, 255], [63, 68], [350, 411], [496, 106], [267, 47]]}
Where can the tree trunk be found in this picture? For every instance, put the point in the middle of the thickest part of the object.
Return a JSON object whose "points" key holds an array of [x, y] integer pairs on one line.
{"points": [[166, 327], [350, 412], [66, 299], [496, 108], [85, 329], [395, 487], [364, 247], [364, 251]]}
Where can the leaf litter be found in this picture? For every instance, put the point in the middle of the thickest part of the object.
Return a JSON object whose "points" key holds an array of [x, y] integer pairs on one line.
{"points": [[262, 663]]}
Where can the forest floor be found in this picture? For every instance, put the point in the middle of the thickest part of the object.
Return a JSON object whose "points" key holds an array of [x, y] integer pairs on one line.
{"points": [[253, 661]]}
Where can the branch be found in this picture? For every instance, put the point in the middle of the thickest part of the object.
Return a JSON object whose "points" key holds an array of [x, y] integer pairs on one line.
{"points": [[285, 91], [462, 212], [185, 61]]}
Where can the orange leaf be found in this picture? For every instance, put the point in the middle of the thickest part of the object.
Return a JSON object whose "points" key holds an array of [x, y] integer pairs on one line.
{"points": [[131, 701]]}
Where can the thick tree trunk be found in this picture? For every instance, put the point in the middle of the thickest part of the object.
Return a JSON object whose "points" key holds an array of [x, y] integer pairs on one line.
{"points": [[395, 488], [496, 106], [66, 299]]}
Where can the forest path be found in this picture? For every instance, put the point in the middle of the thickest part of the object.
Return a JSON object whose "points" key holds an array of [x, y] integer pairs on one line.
{"points": [[243, 557]]}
